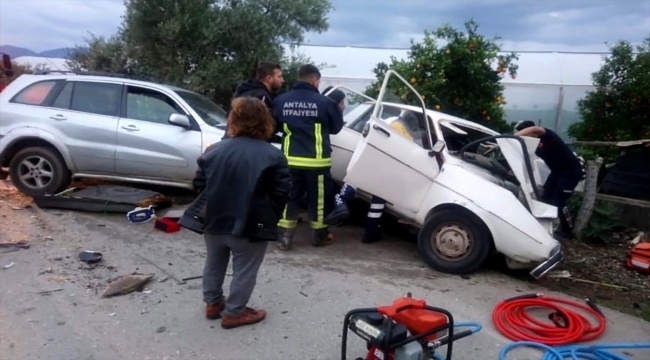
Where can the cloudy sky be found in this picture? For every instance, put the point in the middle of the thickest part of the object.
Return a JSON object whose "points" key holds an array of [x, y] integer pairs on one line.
{"points": [[524, 25]]}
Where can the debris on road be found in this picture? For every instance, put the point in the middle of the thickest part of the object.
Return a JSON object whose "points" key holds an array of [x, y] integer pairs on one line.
{"points": [[46, 271], [103, 199], [16, 244], [48, 292], [161, 329], [8, 266], [141, 215], [90, 257], [126, 284]]}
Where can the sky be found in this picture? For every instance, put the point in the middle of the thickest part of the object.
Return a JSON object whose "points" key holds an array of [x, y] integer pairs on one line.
{"points": [[524, 25]]}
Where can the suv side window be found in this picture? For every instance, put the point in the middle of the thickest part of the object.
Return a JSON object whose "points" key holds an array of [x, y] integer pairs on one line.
{"points": [[150, 105], [35, 94], [64, 98], [96, 98]]}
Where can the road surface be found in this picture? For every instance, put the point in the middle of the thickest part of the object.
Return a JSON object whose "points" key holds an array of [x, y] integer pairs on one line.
{"points": [[306, 293]]}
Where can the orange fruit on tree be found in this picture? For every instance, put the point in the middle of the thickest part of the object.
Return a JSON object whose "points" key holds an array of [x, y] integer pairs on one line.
{"points": [[437, 107], [413, 80]]}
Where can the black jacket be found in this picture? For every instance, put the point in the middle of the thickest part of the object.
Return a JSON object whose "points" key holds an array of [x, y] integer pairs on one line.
{"points": [[245, 184], [307, 118], [253, 88]]}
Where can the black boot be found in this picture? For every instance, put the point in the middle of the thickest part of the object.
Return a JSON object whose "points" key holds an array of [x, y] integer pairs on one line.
{"points": [[336, 217], [372, 233], [285, 239], [341, 211], [321, 237]]}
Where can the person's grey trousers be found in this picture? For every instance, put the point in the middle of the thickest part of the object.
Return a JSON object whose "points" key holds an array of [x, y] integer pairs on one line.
{"points": [[247, 257]]}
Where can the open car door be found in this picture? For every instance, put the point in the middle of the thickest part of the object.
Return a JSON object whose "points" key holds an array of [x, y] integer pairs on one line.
{"points": [[344, 143], [393, 166]]}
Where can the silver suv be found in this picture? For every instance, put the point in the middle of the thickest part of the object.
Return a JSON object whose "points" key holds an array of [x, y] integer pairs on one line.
{"points": [[58, 126]]}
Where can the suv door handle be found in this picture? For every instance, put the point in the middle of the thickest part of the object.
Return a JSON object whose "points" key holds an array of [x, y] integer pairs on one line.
{"points": [[58, 117], [130, 128]]}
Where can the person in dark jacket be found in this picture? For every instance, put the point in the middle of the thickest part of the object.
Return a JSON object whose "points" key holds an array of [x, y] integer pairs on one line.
{"points": [[267, 83], [246, 184], [307, 118], [566, 169]]}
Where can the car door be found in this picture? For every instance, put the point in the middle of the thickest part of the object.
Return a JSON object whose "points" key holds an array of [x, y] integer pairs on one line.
{"points": [[148, 145], [391, 166], [344, 143], [84, 116]]}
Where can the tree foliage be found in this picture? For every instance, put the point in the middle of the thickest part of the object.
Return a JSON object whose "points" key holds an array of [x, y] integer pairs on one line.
{"points": [[460, 78], [19, 70], [205, 45], [619, 108]]}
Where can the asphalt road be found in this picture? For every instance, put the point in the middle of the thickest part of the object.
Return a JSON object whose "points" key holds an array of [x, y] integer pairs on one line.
{"points": [[306, 292]]}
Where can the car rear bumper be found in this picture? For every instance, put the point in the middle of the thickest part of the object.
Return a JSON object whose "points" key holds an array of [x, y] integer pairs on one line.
{"points": [[549, 264]]}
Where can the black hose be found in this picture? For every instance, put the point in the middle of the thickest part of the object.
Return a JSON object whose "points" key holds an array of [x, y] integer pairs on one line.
{"points": [[529, 166]]}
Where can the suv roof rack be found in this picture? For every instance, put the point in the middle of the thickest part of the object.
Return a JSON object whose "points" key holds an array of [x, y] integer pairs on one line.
{"points": [[88, 73]]}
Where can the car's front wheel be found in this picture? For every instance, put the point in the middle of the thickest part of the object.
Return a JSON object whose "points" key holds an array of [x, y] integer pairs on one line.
{"points": [[39, 171], [454, 242]]}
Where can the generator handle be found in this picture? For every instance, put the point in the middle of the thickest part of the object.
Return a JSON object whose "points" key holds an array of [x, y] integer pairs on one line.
{"points": [[346, 324]]}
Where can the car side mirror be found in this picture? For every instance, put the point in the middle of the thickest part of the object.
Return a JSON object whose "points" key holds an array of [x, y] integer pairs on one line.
{"points": [[437, 148], [180, 120]]}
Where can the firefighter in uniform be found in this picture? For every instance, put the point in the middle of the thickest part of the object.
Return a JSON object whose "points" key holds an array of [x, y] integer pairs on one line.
{"points": [[307, 118], [372, 232]]}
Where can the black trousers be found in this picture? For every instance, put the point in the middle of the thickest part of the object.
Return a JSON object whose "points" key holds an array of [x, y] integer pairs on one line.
{"points": [[558, 188], [318, 185]]}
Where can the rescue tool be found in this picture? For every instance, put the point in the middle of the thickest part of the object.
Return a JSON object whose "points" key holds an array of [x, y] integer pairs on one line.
{"points": [[409, 329]]}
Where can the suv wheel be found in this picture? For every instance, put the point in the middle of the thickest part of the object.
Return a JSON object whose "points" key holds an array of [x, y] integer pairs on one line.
{"points": [[39, 171], [453, 242]]}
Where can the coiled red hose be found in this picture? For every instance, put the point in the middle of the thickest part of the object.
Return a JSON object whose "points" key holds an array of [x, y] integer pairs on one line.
{"points": [[567, 325]]}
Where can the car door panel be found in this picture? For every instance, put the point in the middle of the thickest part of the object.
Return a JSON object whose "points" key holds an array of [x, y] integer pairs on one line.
{"points": [[343, 145], [389, 165], [148, 146], [85, 115]]}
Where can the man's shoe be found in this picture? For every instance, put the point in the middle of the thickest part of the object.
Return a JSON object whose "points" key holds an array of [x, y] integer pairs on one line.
{"points": [[285, 239], [213, 311], [336, 217], [321, 237], [248, 317]]}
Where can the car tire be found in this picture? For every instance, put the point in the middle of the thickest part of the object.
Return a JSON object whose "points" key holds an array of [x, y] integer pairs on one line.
{"points": [[50, 162], [466, 235]]}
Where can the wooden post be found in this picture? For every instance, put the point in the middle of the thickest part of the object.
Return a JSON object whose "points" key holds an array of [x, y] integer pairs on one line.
{"points": [[589, 196]]}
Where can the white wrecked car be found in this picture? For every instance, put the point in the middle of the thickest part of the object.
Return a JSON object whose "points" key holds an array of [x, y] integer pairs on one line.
{"points": [[467, 196]]}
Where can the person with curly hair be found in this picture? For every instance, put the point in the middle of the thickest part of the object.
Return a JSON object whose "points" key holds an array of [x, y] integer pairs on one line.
{"points": [[246, 183]]}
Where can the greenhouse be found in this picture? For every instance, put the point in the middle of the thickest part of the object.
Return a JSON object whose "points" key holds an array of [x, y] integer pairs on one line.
{"points": [[546, 90]]}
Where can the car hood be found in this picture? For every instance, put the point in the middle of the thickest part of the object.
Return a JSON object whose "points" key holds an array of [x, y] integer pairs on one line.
{"points": [[516, 158]]}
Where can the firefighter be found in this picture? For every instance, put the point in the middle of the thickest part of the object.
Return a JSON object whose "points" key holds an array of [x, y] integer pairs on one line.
{"points": [[566, 169], [372, 231], [268, 81], [307, 118]]}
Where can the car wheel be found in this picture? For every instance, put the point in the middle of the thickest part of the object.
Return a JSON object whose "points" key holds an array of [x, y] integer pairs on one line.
{"points": [[39, 171], [453, 242]]}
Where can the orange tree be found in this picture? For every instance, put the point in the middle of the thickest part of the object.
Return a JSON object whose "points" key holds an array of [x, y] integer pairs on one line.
{"points": [[619, 107], [461, 78]]}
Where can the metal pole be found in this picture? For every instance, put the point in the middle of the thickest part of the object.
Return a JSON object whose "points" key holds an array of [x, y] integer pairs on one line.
{"points": [[560, 102]]}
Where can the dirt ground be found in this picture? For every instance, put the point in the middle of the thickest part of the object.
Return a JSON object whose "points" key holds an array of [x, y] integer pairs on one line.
{"points": [[601, 274]]}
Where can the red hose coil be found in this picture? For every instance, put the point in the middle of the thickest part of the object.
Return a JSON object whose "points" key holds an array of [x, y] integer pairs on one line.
{"points": [[514, 322]]}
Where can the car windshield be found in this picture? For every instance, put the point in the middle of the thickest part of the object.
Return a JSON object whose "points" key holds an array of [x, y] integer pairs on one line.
{"points": [[210, 112]]}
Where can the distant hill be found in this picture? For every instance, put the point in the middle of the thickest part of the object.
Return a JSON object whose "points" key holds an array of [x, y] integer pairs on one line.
{"points": [[15, 51]]}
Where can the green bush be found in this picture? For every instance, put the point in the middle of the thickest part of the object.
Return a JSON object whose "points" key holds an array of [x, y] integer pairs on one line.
{"points": [[461, 78]]}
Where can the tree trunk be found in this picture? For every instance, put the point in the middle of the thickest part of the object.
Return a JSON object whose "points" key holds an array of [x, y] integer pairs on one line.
{"points": [[588, 196]]}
